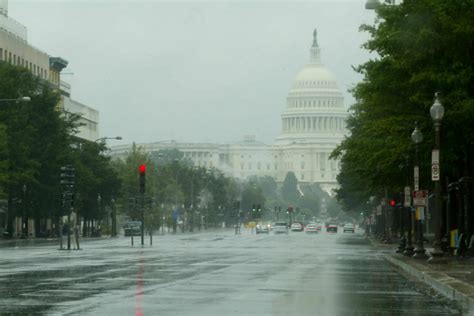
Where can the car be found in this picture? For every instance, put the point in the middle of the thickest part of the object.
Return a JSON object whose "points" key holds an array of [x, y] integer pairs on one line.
{"points": [[132, 228], [331, 228], [262, 229], [349, 228], [297, 227], [280, 227], [311, 228]]}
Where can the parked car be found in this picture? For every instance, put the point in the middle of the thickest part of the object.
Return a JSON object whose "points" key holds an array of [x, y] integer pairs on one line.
{"points": [[296, 227], [311, 228], [280, 227], [349, 228], [262, 229], [132, 227], [331, 228]]}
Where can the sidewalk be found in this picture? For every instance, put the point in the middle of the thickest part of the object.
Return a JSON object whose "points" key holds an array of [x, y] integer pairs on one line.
{"points": [[454, 279]]}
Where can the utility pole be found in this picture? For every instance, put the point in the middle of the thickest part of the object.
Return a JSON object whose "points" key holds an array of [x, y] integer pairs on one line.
{"points": [[68, 182], [142, 171]]}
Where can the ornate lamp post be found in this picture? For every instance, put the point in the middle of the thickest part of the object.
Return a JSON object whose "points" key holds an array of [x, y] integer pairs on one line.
{"points": [[420, 252], [437, 114], [21, 99]]}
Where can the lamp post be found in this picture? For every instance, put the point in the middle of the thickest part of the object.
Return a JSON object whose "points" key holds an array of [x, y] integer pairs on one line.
{"points": [[105, 138], [420, 252], [20, 99], [437, 114], [374, 4]]}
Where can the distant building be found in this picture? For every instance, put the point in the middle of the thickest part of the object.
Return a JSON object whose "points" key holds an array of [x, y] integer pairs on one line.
{"points": [[14, 49], [313, 124], [89, 129]]}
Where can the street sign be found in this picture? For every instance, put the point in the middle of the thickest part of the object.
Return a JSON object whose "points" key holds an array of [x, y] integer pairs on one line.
{"points": [[407, 201], [420, 213], [434, 171], [419, 197], [435, 165], [416, 177]]}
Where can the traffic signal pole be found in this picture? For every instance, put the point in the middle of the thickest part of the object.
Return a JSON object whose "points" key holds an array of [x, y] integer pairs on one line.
{"points": [[142, 171]]}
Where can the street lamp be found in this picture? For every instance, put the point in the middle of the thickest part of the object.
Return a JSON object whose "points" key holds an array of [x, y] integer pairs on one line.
{"points": [[374, 4], [20, 99], [420, 252], [437, 114], [105, 138]]}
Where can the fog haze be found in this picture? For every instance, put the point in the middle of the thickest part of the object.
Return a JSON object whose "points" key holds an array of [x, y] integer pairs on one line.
{"points": [[193, 71]]}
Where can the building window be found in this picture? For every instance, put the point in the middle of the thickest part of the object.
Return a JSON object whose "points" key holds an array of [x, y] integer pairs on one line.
{"points": [[250, 166], [259, 165], [242, 166], [302, 165], [302, 176]]}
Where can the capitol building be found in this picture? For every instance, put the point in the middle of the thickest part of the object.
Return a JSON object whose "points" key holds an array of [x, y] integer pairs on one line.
{"points": [[312, 125]]}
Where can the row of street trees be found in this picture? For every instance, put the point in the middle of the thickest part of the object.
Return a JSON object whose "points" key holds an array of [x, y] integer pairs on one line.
{"points": [[176, 192], [36, 140], [420, 47]]}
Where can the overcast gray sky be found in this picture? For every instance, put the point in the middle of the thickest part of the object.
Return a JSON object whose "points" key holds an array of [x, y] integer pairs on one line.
{"points": [[193, 71]]}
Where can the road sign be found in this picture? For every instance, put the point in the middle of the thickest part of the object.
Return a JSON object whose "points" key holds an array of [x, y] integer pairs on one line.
{"points": [[416, 178], [420, 213], [407, 202], [419, 197], [435, 156], [434, 171]]}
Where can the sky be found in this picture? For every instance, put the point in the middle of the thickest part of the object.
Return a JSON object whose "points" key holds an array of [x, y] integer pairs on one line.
{"points": [[195, 71]]}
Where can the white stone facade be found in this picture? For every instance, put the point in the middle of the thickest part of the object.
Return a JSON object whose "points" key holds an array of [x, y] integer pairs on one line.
{"points": [[313, 124]]}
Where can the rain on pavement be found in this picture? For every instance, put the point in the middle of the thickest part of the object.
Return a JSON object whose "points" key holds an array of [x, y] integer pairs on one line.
{"points": [[212, 273]]}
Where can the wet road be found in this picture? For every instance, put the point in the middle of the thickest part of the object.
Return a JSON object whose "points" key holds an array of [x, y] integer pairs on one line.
{"points": [[212, 273]]}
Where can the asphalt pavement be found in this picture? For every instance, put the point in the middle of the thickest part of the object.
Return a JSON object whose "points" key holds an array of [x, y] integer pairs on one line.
{"points": [[213, 273]]}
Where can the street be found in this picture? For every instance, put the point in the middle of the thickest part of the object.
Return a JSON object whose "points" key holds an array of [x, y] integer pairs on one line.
{"points": [[212, 273]]}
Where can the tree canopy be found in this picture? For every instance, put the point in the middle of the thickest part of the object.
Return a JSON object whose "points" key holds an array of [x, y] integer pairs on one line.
{"points": [[421, 47]]}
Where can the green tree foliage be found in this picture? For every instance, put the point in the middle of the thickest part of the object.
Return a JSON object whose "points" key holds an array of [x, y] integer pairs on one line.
{"points": [[422, 47], [289, 190], [36, 140]]}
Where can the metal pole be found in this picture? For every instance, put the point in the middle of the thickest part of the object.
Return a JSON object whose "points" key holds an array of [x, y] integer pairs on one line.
{"points": [[420, 252], [409, 247], [69, 230], [437, 253], [142, 195]]}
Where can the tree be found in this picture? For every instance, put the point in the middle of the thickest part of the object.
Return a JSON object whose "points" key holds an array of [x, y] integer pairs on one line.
{"points": [[422, 47], [289, 190]]}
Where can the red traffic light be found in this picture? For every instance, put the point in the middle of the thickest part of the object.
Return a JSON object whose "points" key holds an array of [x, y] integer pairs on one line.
{"points": [[142, 169], [392, 202]]}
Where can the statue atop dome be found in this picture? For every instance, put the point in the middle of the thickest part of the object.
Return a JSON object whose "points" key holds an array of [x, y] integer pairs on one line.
{"points": [[315, 38]]}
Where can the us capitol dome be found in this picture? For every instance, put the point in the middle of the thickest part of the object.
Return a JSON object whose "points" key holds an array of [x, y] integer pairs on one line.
{"points": [[313, 124]]}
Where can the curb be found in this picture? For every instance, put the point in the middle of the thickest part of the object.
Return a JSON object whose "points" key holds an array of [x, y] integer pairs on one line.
{"points": [[452, 288]]}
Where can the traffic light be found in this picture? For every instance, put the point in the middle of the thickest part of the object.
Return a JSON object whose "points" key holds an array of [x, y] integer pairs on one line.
{"points": [[67, 176], [290, 209], [253, 208], [392, 203], [142, 171], [67, 180], [259, 209]]}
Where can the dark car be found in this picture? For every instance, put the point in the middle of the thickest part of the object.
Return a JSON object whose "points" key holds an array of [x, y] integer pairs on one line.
{"points": [[331, 228], [133, 227]]}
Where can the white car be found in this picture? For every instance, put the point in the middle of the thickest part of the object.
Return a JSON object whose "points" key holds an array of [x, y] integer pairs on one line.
{"points": [[349, 228], [296, 227], [311, 228], [280, 227]]}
